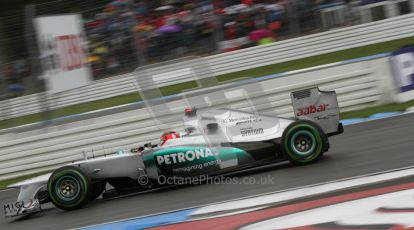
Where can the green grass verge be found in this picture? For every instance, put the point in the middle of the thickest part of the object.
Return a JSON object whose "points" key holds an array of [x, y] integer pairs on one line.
{"points": [[377, 109], [256, 72], [320, 59], [91, 106]]}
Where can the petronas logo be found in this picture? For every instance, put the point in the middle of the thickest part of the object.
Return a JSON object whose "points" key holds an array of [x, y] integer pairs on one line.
{"points": [[186, 156]]}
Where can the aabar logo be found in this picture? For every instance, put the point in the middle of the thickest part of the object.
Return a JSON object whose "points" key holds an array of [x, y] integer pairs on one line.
{"points": [[190, 155], [312, 109]]}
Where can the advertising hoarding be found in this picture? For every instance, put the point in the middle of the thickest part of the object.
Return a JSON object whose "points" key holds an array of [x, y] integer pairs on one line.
{"points": [[402, 62], [62, 52]]}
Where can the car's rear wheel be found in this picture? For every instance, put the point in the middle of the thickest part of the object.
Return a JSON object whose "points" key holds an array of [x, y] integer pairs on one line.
{"points": [[69, 188], [304, 142]]}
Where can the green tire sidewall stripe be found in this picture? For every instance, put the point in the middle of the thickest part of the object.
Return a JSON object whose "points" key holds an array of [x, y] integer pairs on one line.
{"points": [[84, 187], [317, 136]]}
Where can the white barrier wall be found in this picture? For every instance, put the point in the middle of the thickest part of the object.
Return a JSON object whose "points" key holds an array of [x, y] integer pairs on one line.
{"points": [[357, 84], [384, 9], [287, 50]]}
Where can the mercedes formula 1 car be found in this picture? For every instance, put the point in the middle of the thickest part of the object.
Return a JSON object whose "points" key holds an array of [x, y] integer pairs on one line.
{"points": [[215, 142]]}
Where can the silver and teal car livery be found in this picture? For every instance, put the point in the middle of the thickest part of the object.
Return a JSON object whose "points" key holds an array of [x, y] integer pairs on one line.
{"points": [[215, 141]]}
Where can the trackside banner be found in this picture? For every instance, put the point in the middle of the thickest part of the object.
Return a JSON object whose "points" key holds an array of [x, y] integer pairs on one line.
{"points": [[62, 52], [402, 62]]}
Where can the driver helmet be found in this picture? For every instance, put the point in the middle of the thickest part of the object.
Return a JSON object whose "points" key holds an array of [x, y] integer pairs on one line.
{"points": [[168, 136]]}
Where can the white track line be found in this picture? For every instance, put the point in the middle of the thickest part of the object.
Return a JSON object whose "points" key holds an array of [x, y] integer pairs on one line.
{"points": [[300, 192]]}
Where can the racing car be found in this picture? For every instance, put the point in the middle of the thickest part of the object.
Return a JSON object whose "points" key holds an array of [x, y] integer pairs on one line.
{"points": [[215, 141]]}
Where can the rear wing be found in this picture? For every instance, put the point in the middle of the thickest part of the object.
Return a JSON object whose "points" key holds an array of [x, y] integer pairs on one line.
{"points": [[318, 106]]}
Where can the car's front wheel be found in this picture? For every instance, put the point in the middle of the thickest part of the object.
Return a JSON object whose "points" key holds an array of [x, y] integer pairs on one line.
{"points": [[304, 142], [69, 188]]}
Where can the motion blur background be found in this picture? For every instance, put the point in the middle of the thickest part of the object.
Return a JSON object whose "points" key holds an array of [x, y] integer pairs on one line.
{"points": [[70, 87], [125, 34], [254, 53]]}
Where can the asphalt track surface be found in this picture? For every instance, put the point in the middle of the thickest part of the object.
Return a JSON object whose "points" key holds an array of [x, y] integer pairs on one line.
{"points": [[364, 148]]}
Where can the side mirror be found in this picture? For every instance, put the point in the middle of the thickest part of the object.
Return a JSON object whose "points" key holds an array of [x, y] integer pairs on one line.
{"points": [[190, 112]]}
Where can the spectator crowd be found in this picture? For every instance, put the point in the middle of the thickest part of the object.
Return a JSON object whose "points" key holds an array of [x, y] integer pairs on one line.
{"points": [[125, 34], [15, 75], [130, 33]]}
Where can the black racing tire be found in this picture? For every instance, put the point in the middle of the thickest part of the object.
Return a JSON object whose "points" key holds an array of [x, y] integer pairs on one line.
{"points": [[304, 142], [69, 188]]}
